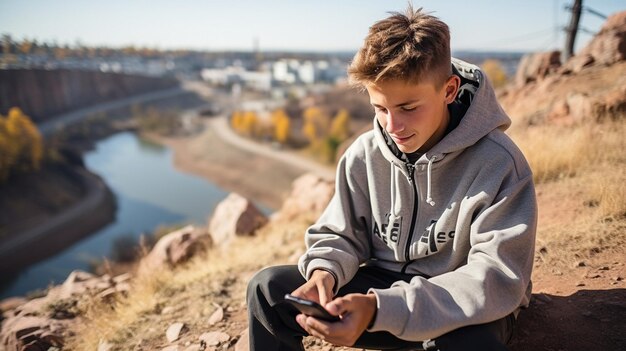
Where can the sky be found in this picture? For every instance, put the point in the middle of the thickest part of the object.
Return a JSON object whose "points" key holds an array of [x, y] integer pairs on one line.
{"points": [[298, 25]]}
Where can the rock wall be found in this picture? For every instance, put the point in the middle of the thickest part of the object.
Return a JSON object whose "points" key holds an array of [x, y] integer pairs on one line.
{"points": [[606, 48], [589, 87], [44, 93]]}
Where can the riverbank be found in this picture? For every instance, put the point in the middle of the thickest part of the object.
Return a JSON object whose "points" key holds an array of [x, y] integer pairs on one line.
{"points": [[255, 171], [46, 212], [53, 232]]}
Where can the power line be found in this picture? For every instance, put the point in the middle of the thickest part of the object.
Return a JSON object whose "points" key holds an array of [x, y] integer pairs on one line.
{"points": [[524, 37], [589, 10]]}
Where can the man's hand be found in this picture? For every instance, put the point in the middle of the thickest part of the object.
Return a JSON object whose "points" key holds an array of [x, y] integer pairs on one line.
{"points": [[319, 288], [356, 311]]}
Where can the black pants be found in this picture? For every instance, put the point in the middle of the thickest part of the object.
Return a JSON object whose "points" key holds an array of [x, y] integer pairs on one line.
{"points": [[273, 326]]}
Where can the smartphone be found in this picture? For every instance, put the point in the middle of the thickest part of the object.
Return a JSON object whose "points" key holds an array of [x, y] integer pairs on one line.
{"points": [[310, 308]]}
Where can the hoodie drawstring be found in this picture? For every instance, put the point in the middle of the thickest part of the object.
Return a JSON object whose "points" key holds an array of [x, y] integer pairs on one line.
{"points": [[393, 190], [429, 198]]}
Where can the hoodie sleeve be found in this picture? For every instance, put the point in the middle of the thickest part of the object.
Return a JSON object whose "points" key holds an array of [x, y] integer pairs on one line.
{"points": [[492, 284], [338, 241]]}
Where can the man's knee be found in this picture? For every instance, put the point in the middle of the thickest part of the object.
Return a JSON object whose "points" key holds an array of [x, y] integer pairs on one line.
{"points": [[274, 282]]}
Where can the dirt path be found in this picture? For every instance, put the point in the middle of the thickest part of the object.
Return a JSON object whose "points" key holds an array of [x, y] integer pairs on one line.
{"points": [[220, 126], [58, 122]]}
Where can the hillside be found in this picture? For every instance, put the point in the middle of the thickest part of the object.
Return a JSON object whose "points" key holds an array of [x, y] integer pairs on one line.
{"points": [[570, 121], [43, 93], [43, 212]]}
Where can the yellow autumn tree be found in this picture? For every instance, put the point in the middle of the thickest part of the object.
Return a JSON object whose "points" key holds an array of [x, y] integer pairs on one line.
{"points": [[250, 123], [281, 124], [27, 138], [21, 145], [236, 121], [316, 124], [340, 126], [495, 72]]}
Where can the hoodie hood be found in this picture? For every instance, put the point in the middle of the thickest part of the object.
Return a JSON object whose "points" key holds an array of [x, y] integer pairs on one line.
{"points": [[482, 115], [476, 100]]}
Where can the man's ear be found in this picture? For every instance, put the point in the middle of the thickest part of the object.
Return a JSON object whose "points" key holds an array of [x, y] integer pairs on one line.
{"points": [[452, 88]]}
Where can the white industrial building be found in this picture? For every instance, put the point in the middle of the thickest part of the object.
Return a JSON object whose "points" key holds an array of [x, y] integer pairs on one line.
{"points": [[236, 74]]}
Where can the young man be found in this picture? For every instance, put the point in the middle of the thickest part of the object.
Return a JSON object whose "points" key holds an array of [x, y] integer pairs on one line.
{"points": [[429, 238]]}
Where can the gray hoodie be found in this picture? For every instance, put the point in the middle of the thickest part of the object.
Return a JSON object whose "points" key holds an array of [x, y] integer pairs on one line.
{"points": [[462, 219]]}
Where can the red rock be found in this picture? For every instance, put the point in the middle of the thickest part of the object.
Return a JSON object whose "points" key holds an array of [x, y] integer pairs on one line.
{"points": [[310, 195], [217, 316], [173, 249], [243, 344], [214, 338], [234, 216], [606, 48], [30, 332], [536, 66], [173, 332]]}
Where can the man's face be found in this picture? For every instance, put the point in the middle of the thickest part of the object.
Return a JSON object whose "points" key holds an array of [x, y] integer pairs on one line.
{"points": [[414, 115]]}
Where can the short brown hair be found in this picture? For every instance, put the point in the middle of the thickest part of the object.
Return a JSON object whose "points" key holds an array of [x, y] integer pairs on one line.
{"points": [[412, 47]]}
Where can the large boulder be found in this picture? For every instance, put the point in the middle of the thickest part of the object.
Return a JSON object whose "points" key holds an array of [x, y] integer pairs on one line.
{"points": [[606, 48], [579, 107], [536, 66], [174, 248], [309, 196], [234, 216]]}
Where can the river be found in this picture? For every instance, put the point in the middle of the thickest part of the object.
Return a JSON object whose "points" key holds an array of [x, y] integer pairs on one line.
{"points": [[149, 192]]}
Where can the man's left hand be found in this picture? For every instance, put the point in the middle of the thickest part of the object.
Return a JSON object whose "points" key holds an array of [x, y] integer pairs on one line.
{"points": [[356, 311]]}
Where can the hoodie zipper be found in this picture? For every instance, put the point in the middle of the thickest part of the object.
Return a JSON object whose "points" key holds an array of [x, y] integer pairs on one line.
{"points": [[411, 170]]}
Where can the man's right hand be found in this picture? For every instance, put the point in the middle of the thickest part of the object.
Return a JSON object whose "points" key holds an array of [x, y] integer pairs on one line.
{"points": [[318, 288]]}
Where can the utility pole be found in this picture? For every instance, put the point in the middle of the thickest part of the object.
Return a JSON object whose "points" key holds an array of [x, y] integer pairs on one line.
{"points": [[572, 29]]}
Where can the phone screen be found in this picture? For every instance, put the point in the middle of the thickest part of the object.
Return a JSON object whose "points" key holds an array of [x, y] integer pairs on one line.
{"points": [[310, 308]]}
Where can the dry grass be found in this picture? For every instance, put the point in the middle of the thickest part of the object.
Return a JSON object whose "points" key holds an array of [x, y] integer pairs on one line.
{"points": [[562, 246], [136, 321], [582, 171], [594, 155], [556, 152], [608, 192]]}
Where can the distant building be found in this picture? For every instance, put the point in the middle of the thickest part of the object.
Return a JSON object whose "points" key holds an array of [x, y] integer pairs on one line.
{"points": [[281, 72], [237, 75], [277, 74], [307, 73]]}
